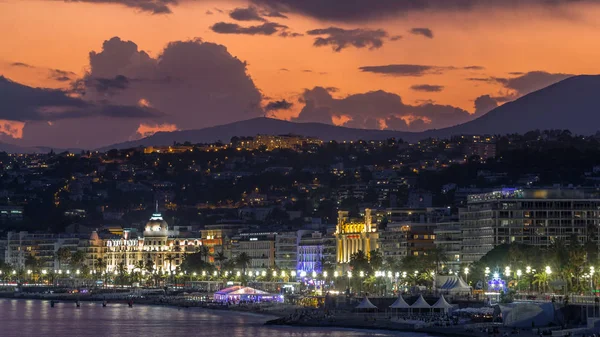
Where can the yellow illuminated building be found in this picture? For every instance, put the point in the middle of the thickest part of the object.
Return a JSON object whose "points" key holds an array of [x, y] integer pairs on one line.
{"points": [[353, 235]]}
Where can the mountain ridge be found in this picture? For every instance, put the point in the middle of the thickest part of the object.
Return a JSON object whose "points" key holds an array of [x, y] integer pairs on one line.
{"points": [[568, 104]]}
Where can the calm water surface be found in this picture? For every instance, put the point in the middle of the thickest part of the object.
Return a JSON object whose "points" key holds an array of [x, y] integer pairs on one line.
{"points": [[36, 318]]}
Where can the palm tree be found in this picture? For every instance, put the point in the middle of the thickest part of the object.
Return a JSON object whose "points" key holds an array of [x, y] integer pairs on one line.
{"points": [[139, 267], [438, 257], [78, 258], [541, 280], [170, 258], [101, 265], [220, 258], [204, 251], [243, 261], [63, 255], [121, 270]]}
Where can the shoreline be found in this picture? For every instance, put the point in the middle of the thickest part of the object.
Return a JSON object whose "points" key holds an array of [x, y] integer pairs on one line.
{"points": [[180, 303], [439, 331], [276, 318]]}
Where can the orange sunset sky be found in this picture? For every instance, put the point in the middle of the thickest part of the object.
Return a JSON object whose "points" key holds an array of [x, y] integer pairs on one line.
{"points": [[442, 58]]}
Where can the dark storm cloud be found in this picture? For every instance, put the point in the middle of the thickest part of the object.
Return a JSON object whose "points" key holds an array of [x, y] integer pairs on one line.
{"points": [[149, 6], [267, 28], [103, 85], [278, 105], [422, 31], [484, 104], [21, 64], [22, 103], [395, 37], [61, 75], [197, 83], [414, 70], [522, 84], [361, 10], [208, 12], [474, 68], [376, 108], [479, 79], [246, 14], [531, 81], [427, 87], [287, 33], [274, 14], [348, 11], [339, 38]]}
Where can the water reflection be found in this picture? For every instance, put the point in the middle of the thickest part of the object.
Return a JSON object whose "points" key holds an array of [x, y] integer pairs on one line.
{"points": [[37, 318]]}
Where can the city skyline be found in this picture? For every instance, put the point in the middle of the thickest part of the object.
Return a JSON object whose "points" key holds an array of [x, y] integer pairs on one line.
{"points": [[176, 65]]}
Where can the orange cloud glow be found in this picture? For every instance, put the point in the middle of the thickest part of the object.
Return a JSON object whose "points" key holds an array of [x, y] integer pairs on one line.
{"points": [[340, 120], [147, 130], [12, 128]]}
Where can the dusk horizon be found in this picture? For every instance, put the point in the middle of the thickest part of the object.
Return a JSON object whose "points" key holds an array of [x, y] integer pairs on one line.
{"points": [[183, 65]]}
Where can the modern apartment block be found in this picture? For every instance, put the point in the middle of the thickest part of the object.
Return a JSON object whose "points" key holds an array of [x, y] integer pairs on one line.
{"points": [[535, 217]]}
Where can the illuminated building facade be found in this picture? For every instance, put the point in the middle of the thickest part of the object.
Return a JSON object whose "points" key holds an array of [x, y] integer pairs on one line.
{"points": [[536, 217], [159, 247], [353, 235]]}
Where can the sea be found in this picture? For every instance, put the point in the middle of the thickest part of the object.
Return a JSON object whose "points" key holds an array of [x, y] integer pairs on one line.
{"points": [[24, 318]]}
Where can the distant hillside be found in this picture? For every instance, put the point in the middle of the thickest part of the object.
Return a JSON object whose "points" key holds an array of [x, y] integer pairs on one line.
{"points": [[570, 104], [260, 125]]}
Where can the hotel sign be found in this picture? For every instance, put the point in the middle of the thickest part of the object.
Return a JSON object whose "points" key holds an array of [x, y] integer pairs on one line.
{"points": [[122, 243]]}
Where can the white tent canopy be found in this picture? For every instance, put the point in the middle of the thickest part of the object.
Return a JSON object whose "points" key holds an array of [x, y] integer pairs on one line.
{"points": [[366, 304], [442, 304], [400, 304], [420, 303], [452, 284]]}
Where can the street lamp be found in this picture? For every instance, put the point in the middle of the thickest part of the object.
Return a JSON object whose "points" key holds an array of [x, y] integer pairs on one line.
{"points": [[592, 271], [519, 273], [349, 277], [467, 274], [548, 270], [507, 271], [361, 274]]}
